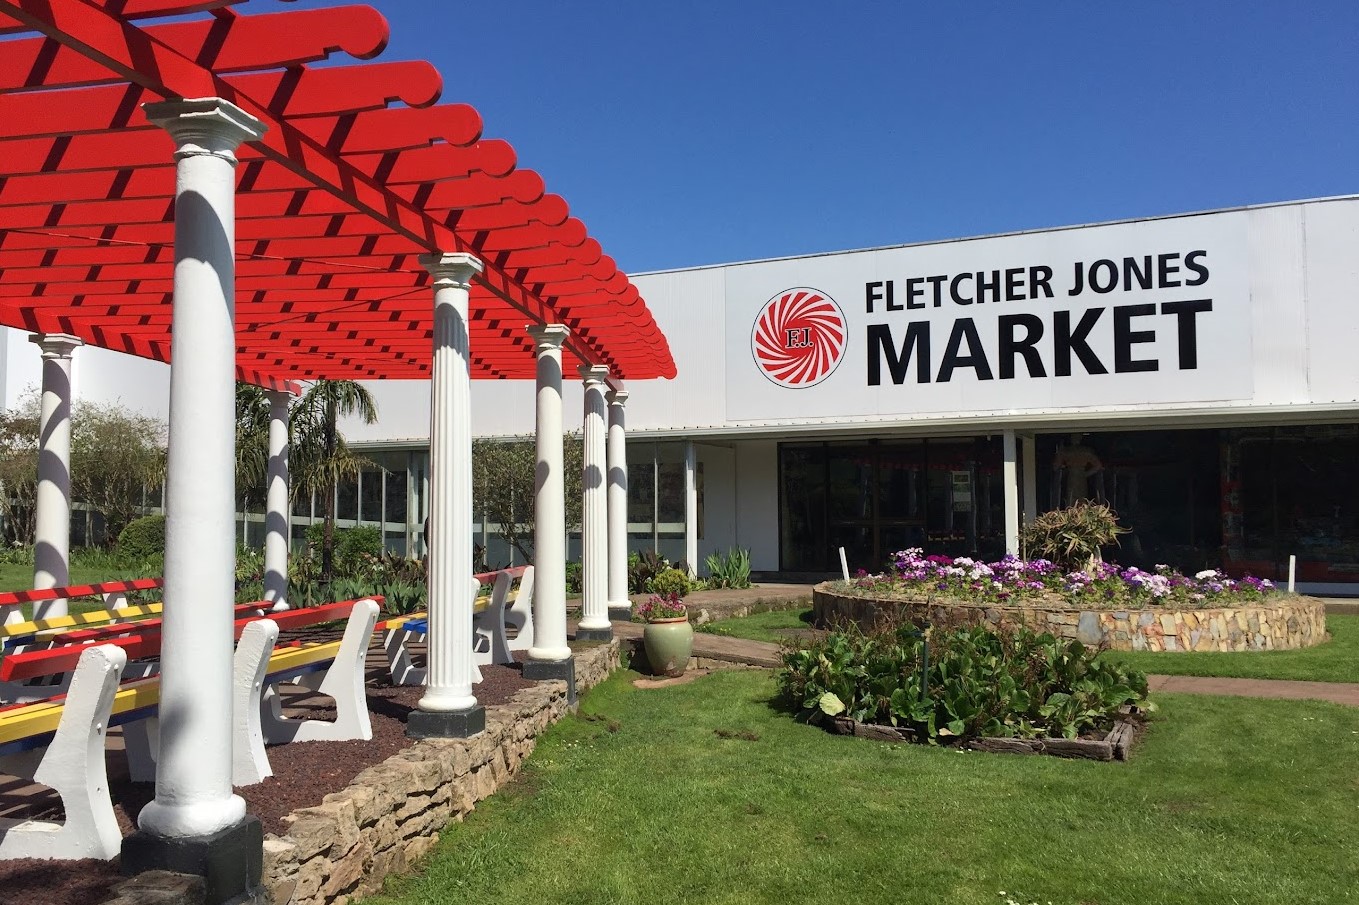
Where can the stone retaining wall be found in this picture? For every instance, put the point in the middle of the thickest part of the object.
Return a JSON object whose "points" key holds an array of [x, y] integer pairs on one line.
{"points": [[391, 814], [1276, 623]]}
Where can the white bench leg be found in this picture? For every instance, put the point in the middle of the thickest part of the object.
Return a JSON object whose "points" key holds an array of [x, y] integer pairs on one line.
{"points": [[249, 762], [403, 670], [521, 615], [74, 766], [343, 681], [490, 644]]}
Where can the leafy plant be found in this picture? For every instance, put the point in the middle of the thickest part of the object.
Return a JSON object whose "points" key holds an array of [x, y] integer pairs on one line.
{"points": [[731, 570], [671, 581], [642, 568], [574, 577], [1072, 537], [960, 683]]}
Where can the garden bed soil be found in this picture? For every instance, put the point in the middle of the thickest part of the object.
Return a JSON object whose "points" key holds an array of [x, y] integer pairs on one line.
{"points": [[1116, 744], [304, 773]]}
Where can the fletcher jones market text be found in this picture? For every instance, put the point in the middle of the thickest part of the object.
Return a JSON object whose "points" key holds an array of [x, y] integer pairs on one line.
{"points": [[898, 346]]}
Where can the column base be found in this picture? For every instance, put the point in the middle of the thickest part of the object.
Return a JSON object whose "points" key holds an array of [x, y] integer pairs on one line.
{"points": [[231, 861], [565, 670], [620, 612], [594, 634], [446, 723]]}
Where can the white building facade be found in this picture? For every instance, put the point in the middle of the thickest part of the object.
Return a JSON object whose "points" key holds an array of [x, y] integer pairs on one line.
{"points": [[1198, 372]]}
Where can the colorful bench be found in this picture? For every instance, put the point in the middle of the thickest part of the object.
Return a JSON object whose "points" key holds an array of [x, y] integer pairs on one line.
{"points": [[59, 741], [491, 622], [15, 628]]}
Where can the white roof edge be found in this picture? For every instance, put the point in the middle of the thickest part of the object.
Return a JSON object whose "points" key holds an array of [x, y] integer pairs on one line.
{"points": [[1002, 235]]}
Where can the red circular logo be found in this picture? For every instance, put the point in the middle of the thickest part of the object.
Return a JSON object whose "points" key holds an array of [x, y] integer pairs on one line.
{"points": [[799, 337]]}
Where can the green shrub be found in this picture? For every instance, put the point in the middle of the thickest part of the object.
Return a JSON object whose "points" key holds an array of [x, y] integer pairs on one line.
{"points": [[671, 581], [729, 571], [143, 538], [354, 547], [574, 578], [960, 683], [1071, 537]]}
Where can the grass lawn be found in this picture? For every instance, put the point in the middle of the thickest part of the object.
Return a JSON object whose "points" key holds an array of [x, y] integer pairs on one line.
{"points": [[1336, 660], [639, 799], [19, 577], [770, 626]]}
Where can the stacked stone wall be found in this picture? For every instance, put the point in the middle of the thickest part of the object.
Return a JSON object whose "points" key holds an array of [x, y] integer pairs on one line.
{"points": [[1280, 622], [390, 816]]}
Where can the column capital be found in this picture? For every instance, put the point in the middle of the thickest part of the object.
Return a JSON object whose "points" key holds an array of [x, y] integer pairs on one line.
{"points": [[455, 269], [617, 397], [548, 336], [205, 126], [56, 345], [592, 374]]}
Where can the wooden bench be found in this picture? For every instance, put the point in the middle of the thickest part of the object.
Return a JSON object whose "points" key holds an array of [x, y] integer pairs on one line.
{"points": [[491, 623], [59, 741]]}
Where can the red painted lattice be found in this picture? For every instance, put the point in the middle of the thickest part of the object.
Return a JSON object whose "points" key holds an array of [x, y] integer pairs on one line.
{"points": [[360, 172]]}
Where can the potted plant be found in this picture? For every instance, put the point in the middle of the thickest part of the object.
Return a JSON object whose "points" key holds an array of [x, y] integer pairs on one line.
{"points": [[668, 637]]}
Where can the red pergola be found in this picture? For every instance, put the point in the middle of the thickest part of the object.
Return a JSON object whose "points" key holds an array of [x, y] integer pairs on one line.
{"points": [[360, 172]]}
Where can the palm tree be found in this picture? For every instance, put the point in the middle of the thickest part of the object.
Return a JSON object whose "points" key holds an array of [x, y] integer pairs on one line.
{"points": [[320, 458], [252, 440]]}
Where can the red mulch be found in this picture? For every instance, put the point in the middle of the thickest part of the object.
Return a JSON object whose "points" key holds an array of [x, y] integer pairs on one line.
{"points": [[304, 773]]}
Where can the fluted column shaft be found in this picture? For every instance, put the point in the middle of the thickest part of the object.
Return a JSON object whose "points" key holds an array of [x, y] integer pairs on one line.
{"points": [[619, 605], [549, 505], [448, 686], [276, 509], [594, 621], [52, 510], [193, 768]]}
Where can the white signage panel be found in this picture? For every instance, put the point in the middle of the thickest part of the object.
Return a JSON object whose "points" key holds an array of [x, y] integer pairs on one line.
{"points": [[1148, 312]]}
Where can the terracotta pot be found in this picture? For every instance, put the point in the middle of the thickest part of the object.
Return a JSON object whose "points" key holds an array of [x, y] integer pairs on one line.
{"points": [[668, 643]]}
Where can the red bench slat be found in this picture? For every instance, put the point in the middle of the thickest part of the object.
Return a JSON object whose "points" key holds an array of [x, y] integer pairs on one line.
{"points": [[81, 590]]}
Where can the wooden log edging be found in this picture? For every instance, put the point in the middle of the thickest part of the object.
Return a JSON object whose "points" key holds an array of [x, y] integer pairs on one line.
{"points": [[1283, 622], [390, 816], [1116, 745]]}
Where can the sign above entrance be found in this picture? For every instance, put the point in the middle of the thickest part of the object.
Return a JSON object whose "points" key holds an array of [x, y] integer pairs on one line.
{"points": [[1131, 313]]}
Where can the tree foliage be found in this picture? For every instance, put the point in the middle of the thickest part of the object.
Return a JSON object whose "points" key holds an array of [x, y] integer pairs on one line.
{"points": [[19, 470], [319, 458], [115, 455], [504, 481]]}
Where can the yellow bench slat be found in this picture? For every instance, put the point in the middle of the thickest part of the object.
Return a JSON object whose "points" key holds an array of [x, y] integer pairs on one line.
{"points": [[94, 617]]}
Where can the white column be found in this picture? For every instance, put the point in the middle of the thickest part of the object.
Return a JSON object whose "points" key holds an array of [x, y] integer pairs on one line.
{"points": [[1010, 481], [52, 528], [549, 504], [277, 527], [691, 507], [193, 768], [1028, 464], [619, 605], [594, 535], [449, 681]]}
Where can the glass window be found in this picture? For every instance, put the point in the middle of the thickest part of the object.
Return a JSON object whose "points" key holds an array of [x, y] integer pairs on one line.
{"points": [[396, 498], [802, 517], [347, 500], [370, 496]]}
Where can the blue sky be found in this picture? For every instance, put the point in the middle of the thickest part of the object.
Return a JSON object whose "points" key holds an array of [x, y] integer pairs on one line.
{"points": [[702, 132]]}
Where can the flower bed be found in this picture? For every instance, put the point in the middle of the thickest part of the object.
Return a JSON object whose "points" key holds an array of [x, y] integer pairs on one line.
{"points": [[1108, 606], [963, 686]]}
